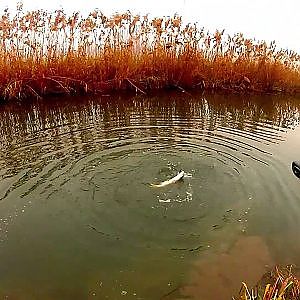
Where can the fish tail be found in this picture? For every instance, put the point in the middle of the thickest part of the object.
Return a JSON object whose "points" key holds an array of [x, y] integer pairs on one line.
{"points": [[155, 185]]}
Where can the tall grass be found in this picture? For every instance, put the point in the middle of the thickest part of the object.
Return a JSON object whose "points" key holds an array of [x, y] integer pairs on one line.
{"points": [[50, 52], [281, 283]]}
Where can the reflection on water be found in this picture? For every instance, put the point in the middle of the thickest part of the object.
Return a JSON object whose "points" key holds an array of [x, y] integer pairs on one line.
{"points": [[79, 219]]}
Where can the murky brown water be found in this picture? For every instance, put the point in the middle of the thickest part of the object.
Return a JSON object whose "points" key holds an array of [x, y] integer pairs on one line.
{"points": [[79, 219]]}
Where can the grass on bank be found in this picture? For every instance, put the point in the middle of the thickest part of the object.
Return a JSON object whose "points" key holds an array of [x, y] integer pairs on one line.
{"points": [[278, 284], [51, 53]]}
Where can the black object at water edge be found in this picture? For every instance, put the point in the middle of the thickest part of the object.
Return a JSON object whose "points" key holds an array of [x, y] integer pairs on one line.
{"points": [[296, 168]]}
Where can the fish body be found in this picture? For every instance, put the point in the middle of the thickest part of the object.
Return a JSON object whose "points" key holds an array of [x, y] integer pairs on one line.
{"points": [[176, 178]]}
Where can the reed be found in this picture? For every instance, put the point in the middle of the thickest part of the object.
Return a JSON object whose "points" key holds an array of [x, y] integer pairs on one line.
{"points": [[279, 284], [44, 53]]}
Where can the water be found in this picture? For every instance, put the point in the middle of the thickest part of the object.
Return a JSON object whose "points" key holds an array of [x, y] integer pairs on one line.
{"points": [[80, 220]]}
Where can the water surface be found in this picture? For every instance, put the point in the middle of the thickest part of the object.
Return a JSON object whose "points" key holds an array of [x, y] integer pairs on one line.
{"points": [[79, 219]]}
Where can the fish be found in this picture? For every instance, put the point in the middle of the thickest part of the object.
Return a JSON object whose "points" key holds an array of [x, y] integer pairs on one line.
{"points": [[176, 178]]}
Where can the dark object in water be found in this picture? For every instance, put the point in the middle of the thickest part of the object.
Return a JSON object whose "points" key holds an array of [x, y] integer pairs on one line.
{"points": [[296, 168]]}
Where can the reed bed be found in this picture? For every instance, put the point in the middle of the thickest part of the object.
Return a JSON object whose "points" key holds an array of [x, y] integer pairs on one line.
{"points": [[44, 53], [281, 283]]}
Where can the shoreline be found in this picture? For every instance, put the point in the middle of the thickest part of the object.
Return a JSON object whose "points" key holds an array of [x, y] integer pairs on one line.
{"points": [[67, 87]]}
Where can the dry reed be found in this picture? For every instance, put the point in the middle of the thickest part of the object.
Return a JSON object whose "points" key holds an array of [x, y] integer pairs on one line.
{"points": [[44, 53], [279, 284]]}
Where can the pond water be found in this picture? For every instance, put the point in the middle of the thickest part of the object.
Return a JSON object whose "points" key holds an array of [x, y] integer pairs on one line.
{"points": [[79, 218]]}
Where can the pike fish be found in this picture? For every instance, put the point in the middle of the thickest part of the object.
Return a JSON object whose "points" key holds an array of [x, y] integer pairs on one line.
{"points": [[176, 178]]}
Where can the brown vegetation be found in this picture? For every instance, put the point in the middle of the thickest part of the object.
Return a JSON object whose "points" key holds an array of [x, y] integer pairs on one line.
{"points": [[279, 284], [44, 53]]}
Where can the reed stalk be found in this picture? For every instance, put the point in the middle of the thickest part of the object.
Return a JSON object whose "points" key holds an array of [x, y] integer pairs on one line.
{"points": [[281, 283], [44, 53]]}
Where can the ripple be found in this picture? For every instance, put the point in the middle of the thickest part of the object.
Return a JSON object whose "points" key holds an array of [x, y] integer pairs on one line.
{"points": [[85, 171]]}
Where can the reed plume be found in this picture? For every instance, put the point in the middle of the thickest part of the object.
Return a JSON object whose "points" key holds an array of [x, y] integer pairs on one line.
{"points": [[44, 53]]}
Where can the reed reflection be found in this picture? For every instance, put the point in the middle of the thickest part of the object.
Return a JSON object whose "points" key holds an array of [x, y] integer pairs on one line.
{"points": [[33, 135]]}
